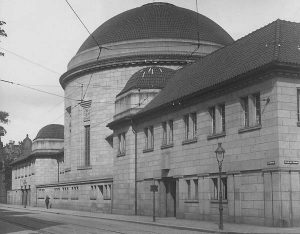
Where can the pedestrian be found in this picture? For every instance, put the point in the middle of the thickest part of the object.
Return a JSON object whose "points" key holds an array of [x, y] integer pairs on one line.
{"points": [[47, 201]]}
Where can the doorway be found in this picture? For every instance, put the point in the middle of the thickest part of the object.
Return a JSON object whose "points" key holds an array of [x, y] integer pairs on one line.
{"points": [[169, 197]]}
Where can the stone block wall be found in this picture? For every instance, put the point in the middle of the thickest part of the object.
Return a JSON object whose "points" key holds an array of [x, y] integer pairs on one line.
{"points": [[259, 190]]}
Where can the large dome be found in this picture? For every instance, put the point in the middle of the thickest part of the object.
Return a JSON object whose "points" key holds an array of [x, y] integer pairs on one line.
{"points": [[51, 131], [157, 21]]}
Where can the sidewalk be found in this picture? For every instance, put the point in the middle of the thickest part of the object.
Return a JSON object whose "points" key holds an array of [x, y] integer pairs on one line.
{"points": [[182, 224]]}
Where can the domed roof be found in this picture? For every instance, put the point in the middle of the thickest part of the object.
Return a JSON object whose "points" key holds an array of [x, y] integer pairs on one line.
{"points": [[157, 21], [52, 131], [148, 78]]}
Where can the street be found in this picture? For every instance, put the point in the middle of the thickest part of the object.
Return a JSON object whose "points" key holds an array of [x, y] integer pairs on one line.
{"points": [[18, 221]]}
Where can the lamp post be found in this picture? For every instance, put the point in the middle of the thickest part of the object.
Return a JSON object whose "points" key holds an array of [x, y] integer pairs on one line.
{"points": [[220, 157]]}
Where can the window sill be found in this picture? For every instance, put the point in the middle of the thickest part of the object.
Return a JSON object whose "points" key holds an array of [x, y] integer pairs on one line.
{"points": [[120, 154], [216, 135], [190, 141], [191, 201], [148, 150], [249, 129], [166, 146], [225, 201], [84, 168]]}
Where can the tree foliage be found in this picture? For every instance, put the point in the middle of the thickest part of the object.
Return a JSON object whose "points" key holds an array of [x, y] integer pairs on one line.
{"points": [[3, 119], [2, 34]]}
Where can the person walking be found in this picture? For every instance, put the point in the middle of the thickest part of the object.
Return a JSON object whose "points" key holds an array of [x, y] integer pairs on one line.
{"points": [[47, 201]]}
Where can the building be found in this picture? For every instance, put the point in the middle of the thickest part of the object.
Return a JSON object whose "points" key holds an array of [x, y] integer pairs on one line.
{"points": [[9, 153], [245, 96], [159, 90], [40, 164], [166, 36]]}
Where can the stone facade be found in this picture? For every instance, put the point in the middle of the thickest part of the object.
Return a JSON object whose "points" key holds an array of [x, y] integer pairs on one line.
{"points": [[261, 184]]}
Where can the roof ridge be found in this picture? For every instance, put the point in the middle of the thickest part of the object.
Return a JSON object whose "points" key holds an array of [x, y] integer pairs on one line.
{"points": [[277, 40]]}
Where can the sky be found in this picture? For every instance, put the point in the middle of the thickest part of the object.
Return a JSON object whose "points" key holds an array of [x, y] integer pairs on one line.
{"points": [[43, 35]]}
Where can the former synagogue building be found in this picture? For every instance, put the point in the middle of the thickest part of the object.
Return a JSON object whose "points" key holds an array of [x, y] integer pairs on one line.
{"points": [[160, 89]]}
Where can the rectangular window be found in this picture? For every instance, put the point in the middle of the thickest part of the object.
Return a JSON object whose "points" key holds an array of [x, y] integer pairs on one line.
{"points": [[196, 189], [167, 128], [187, 126], [217, 119], [222, 115], [215, 192], [216, 188], [192, 189], [256, 98], [298, 104], [251, 110], [149, 138], [194, 124], [188, 182], [170, 125], [212, 113], [164, 128], [122, 144], [245, 111], [224, 188], [87, 145], [190, 123]]}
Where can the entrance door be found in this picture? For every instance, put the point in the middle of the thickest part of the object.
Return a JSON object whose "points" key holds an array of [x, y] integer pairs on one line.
{"points": [[170, 197], [28, 197]]}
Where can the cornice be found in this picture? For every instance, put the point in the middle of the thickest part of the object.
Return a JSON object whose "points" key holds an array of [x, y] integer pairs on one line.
{"points": [[126, 61]]}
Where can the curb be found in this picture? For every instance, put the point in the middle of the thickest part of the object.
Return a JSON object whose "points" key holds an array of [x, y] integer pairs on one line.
{"points": [[177, 227]]}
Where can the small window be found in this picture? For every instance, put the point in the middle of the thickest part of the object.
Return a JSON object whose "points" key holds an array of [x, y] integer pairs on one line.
{"points": [[167, 128], [256, 98], [298, 104], [217, 118], [122, 144], [190, 123], [251, 110], [215, 189], [187, 126], [192, 189], [245, 111], [87, 146], [149, 138]]}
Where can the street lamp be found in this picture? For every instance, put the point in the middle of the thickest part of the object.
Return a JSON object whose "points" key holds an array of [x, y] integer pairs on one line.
{"points": [[220, 157]]}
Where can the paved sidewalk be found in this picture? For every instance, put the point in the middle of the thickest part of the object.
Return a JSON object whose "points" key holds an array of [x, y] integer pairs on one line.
{"points": [[182, 224]]}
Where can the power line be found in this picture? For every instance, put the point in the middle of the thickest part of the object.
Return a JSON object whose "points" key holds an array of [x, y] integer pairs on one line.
{"points": [[30, 61], [100, 47], [39, 90]]}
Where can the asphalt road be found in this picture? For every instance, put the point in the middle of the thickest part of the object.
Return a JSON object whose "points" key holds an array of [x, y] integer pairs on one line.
{"points": [[15, 221]]}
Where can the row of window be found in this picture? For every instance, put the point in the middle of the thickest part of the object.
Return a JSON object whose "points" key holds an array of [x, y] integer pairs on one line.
{"points": [[251, 117], [193, 191], [23, 170], [96, 192]]}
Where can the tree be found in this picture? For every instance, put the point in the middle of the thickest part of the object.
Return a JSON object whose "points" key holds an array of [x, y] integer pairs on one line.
{"points": [[3, 119], [2, 34]]}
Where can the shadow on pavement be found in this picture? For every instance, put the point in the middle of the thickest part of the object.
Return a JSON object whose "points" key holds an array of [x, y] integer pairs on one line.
{"points": [[13, 221]]}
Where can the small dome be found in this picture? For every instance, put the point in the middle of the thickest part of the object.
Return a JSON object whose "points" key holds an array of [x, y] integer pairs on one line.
{"points": [[52, 131], [148, 78], [157, 20]]}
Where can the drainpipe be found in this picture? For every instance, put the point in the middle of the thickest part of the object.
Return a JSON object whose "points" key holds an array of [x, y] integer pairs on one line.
{"points": [[135, 168], [57, 170]]}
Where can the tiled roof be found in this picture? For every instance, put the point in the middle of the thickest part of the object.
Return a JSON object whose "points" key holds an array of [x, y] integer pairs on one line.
{"points": [[53, 131], [148, 78], [37, 154], [278, 42], [155, 21]]}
